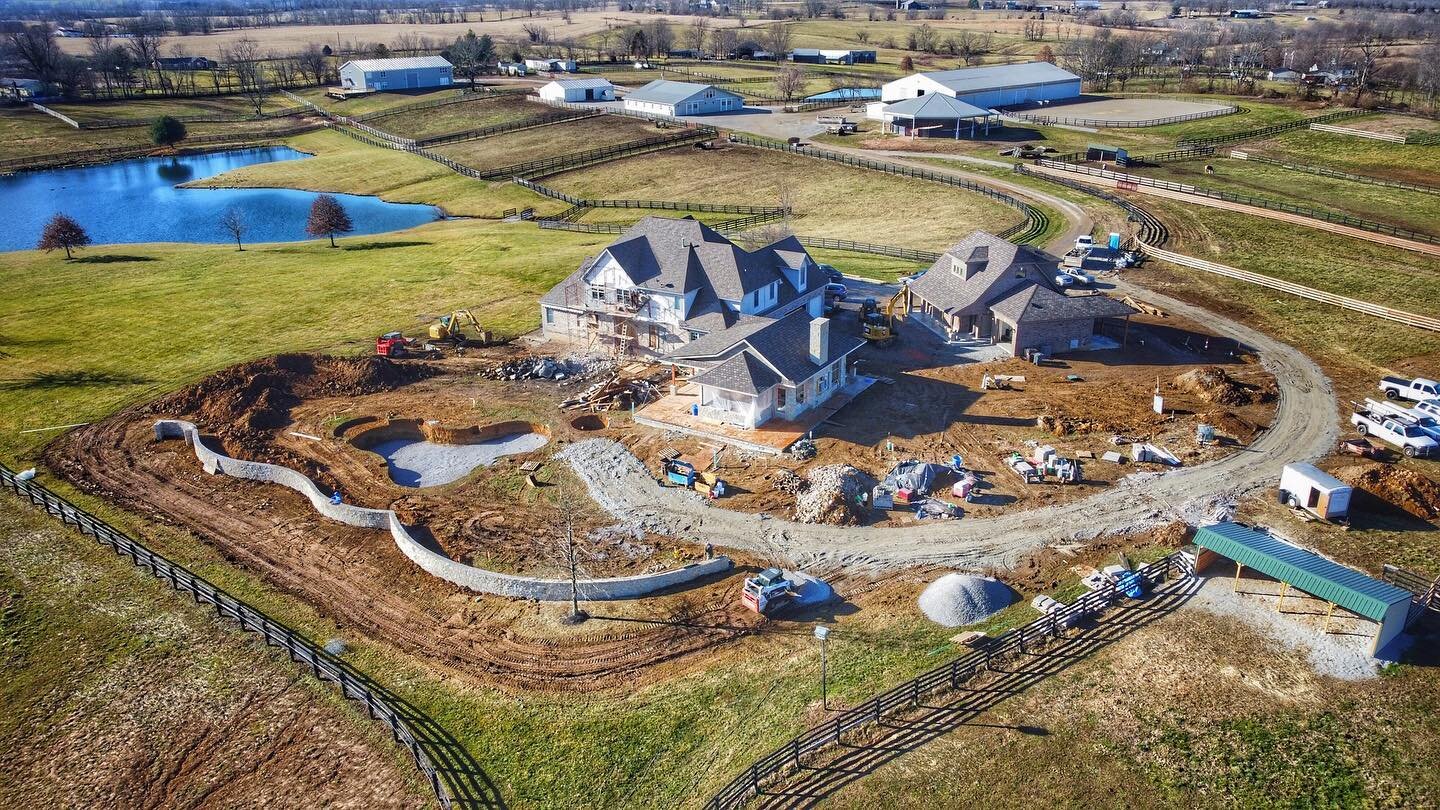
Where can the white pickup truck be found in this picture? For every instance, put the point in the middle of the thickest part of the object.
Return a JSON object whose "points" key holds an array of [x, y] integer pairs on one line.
{"points": [[1417, 389], [1396, 430], [1428, 423]]}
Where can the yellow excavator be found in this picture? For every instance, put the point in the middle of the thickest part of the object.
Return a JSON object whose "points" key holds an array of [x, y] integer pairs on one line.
{"points": [[877, 327], [450, 329]]}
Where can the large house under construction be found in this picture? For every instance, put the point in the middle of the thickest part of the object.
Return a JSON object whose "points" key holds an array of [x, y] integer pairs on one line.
{"points": [[744, 327]]}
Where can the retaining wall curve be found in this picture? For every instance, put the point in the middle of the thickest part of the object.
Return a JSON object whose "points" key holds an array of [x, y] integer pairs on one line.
{"points": [[432, 562]]}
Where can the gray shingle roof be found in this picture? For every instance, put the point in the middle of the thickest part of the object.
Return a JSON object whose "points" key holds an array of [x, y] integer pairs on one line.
{"points": [[400, 63], [664, 91], [679, 255], [744, 373], [783, 343], [1005, 266], [935, 106], [1036, 304], [993, 77]]}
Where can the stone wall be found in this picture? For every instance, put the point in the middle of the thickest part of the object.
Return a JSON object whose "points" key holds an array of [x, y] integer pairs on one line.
{"points": [[432, 562]]}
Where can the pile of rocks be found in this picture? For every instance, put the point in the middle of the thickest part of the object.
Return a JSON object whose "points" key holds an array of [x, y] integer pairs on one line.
{"points": [[834, 495], [529, 368], [957, 600], [784, 480]]}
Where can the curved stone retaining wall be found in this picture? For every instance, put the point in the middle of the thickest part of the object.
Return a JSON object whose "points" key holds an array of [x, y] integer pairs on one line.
{"points": [[436, 564]]}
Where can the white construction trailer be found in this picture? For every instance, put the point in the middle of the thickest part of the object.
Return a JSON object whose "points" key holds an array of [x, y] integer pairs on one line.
{"points": [[1307, 487]]}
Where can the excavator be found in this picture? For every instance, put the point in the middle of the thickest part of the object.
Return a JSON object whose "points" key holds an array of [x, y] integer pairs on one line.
{"points": [[450, 329], [878, 327]]}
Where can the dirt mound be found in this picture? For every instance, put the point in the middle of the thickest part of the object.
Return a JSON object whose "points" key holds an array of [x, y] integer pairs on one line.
{"points": [[832, 494], [1214, 384], [1062, 425], [243, 401], [1397, 486], [1230, 424]]}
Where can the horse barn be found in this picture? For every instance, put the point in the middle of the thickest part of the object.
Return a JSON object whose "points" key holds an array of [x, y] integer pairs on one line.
{"points": [[410, 73], [1374, 601], [989, 86]]}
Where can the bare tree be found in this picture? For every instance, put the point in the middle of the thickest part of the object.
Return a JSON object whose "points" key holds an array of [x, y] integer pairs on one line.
{"points": [[36, 48], [312, 60], [243, 59], [234, 223], [568, 550], [697, 35], [1035, 30], [723, 42], [790, 82], [776, 40], [145, 40]]}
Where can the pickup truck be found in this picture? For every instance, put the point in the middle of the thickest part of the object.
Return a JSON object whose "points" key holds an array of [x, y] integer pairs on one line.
{"points": [[1417, 389], [1427, 421], [1395, 430]]}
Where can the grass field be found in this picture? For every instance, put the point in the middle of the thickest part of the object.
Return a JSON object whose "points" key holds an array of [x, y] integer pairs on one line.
{"points": [[345, 165], [551, 140], [1407, 163], [483, 111], [151, 108], [829, 199], [1417, 211], [112, 685], [375, 102], [27, 133]]}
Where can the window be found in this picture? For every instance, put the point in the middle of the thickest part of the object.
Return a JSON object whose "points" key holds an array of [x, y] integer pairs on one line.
{"points": [[755, 299], [779, 397], [800, 394], [835, 374], [550, 316], [597, 293]]}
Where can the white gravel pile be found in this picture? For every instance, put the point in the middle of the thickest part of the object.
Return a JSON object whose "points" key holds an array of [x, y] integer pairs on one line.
{"points": [[956, 600], [832, 495]]}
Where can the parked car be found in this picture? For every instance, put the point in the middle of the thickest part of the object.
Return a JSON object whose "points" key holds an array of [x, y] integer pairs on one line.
{"points": [[836, 292], [1394, 430], [1084, 242], [1064, 280], [1418, 389], [1430, 407], [832, 274], [1078, 276]]}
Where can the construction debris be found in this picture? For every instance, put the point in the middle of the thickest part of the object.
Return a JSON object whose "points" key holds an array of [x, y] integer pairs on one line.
{"points": [[1400, 487], [611, 393], [835, 494], [1141, 452], [803, 449], [1213, 384]]}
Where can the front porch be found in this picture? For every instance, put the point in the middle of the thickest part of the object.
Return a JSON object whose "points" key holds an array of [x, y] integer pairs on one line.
{"points": [[774, 436]]}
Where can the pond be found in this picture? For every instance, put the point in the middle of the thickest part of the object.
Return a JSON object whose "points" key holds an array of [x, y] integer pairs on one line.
{"points": [[420, 463], [139, 201]]}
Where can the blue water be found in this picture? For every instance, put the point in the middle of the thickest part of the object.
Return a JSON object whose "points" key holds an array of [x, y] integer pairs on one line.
{"points": [[848, 94], [138, 201]]}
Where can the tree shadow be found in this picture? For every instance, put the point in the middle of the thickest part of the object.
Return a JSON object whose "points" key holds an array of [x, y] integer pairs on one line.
{"points": [[382, 245], [111, 258], [45, 380]]}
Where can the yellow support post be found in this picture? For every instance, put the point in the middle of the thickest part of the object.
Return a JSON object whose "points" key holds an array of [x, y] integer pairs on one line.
{"points": [[1279, 603], [1328, 614], [1236, 585]]}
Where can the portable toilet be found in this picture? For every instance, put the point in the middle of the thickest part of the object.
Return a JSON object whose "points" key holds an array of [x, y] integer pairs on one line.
{"points": [[1305, 486], [1114, 241]]}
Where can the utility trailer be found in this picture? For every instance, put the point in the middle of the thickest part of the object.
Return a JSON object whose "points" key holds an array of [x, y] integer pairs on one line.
{"points": [[1311, 489]]}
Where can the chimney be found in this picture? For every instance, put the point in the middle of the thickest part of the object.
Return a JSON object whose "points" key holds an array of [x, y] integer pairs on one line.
{"points": [[820, 341]]}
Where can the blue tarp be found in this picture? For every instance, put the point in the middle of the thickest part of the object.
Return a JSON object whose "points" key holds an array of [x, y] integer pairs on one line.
{"points": [[848, 94]]}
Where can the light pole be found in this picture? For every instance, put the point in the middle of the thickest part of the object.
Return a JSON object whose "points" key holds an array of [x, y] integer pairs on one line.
{"points": [[822, 632]]}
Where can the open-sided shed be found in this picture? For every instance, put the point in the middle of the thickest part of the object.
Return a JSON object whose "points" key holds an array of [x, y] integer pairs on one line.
{"points": [[1295, 567]]}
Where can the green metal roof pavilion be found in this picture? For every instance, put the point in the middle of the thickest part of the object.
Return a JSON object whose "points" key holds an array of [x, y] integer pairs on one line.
{"points": [[1306, 570]]}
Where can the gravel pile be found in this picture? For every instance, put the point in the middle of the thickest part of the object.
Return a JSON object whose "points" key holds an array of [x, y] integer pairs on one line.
{"points": [[956, 600], [832, 496]]}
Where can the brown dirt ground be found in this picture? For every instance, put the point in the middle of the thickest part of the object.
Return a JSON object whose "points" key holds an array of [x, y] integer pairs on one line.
{"points": [[935, 410]]}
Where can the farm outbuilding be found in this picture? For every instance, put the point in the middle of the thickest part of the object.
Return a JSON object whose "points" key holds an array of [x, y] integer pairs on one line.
{"points": [[578, 90], [411, 73], [825, 56], [935, 116], [664, 97], [1388, 606], [991, 85], [551, 65]]}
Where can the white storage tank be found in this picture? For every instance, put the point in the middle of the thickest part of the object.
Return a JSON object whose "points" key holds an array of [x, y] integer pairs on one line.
{"points": [[1307, 487]]}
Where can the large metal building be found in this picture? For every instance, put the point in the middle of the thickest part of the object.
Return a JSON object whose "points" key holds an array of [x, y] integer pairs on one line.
{"points": [[664, 97], [990, 86], [411, 73]]}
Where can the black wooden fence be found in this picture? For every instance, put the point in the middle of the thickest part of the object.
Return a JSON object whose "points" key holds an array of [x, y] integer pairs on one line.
{"points": [[199, 118], [1245, 199], [575, 160], [1338, 175], [1152, 231], [508, 126], [911, 254], [85, 157], [661, 205], [432, 760], [947, 676]]}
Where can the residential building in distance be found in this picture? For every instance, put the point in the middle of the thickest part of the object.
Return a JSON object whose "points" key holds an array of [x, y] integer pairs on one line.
{"points": [[409, 73]]}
